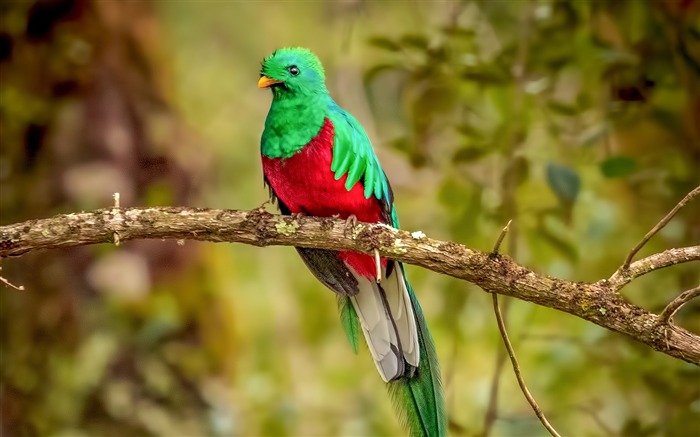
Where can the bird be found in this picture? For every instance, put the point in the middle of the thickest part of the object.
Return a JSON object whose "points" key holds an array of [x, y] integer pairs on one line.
{"points": [[318, 161]]}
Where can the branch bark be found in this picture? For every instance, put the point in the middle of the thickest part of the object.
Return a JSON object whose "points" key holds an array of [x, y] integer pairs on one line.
{"points": [[653, 262], [676, 304], [596, 302]]}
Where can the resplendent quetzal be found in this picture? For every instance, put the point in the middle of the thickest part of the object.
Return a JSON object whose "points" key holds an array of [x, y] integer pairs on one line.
{"points": [[318, 161]]}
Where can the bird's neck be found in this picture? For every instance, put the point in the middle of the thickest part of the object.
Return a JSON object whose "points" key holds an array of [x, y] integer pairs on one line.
{"points": [[291, 124]]}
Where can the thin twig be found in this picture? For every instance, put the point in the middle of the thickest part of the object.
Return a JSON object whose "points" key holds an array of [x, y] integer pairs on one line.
{"points": [[516, 369], [492, 410], [652, 263], [10, 284], [676, 304], [491, 413], [504, 231], [659, 226]]}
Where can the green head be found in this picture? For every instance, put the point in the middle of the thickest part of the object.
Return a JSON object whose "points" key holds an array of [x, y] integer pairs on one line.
{"points": [[293, 72]]}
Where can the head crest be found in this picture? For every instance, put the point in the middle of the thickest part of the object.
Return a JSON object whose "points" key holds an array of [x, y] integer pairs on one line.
{"points": [[299, 56]]}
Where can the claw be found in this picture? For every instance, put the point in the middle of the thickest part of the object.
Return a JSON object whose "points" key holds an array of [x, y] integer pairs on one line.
{"points": [[350, 224]]}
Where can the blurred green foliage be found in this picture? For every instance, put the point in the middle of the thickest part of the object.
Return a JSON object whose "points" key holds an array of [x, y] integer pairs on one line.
{"points": [[578, 119]]}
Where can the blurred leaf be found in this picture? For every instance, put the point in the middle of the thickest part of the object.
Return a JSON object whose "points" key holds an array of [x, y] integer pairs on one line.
{"points": [[668, 119], [537, 86], [618, 166], [437, 54], [552, 230], [562, 108], [414, 41], [564, 182], [468, 154], [452, 193], [385, 43], [469, 130], [553, 54], [592, 134], [423, 73], [438, 98], [519, 170], [487, 74], [617, 59], [564, 247], [402, 144], [418, 159], [464, 205], [374, 71], [458, 32], [634, 427]]}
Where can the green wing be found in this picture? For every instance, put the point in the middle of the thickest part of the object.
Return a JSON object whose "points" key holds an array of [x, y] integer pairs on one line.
{"points": [[353, 155]]}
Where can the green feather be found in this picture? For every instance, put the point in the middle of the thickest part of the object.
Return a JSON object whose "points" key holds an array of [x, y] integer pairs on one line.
{"points": [[357, 169], [369, 184], [353, 155], [350, 321], [344, 160], [418, 400]]}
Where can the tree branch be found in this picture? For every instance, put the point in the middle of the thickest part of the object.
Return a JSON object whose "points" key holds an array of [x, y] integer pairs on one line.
{"points": [[656, 261], [516, 369], [596, 302], [492, 411], [511, 352], [676, 304], [660, 225]]}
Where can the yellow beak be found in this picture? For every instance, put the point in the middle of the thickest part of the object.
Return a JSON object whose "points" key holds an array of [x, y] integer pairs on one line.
{"points": [[265, 82]]}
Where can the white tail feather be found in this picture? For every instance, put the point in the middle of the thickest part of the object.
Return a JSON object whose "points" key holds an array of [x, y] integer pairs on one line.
{"points": [[379, 330], [404, 317]]}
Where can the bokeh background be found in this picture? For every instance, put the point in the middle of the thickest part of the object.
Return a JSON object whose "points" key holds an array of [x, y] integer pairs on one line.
{"points": [[579, 119]]}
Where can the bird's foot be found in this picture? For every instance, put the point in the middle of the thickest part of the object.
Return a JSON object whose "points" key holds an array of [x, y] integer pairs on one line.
{"points": [[350, 224]]}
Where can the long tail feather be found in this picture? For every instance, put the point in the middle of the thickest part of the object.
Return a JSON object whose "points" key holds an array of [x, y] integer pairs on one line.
{"points": [[418, 398], [350, 322], [417, 395]]}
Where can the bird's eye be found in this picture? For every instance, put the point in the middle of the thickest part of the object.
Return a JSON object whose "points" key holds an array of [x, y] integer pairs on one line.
{"points": [[294, 70]]}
